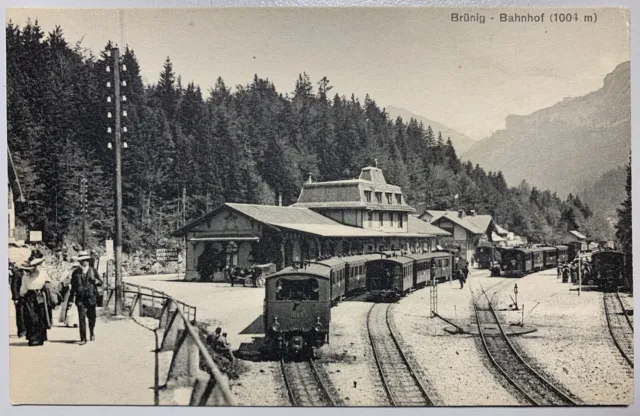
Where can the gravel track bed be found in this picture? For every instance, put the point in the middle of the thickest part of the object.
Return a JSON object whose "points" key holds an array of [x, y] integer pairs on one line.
{"points": [[348, 361], [455, 367], [303, 385], [403, 389], [627, 301], [619, 328], [260, 385], [572, 345]]}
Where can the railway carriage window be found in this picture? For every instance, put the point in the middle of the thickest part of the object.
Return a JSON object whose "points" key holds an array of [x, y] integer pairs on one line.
{"points": [[297, 289], [445, 263]]}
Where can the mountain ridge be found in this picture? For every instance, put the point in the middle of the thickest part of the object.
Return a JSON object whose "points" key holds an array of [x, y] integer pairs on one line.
{"points": [[460, 141], [560, 147]]}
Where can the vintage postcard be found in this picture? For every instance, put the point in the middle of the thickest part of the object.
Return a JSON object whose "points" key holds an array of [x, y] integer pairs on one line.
{"points": [[319, 206]]}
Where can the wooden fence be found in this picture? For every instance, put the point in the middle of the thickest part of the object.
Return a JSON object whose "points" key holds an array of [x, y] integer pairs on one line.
{"points": [[176, 335]]}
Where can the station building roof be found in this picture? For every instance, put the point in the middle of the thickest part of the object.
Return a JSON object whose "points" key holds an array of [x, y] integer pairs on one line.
{"points": [[350, 193], [307, 221], [578, 234]]}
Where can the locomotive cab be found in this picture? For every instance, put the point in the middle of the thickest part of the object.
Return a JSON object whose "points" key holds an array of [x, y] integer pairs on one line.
{"points": [[297, 310]]}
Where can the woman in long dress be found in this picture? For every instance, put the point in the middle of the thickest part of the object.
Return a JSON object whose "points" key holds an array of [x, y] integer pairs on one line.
{"points": [[68, 314], [38, 305]]}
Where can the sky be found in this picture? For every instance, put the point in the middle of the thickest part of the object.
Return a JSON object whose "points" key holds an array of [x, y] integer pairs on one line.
{"points": [[468, 76]]}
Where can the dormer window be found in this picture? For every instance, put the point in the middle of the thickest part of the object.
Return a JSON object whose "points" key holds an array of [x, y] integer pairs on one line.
{"points": [[379, 197], [367, 195], [389, 198], [399, 199]]}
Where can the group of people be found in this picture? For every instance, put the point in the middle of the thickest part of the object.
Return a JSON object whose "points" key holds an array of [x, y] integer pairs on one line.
{"points": [[219, 343], [34, 297], [569, 271]]}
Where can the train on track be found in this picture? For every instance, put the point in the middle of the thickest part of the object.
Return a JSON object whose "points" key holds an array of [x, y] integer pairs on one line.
{"points": [[519, 261], [608, 269], [298, 299]]}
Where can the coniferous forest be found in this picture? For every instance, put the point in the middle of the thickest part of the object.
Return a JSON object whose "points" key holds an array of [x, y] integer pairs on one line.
{"points": [[220, 143]]}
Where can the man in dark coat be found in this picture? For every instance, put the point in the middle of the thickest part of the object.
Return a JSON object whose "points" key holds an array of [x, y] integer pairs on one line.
{"points": [[84, 293], [18, 301]]}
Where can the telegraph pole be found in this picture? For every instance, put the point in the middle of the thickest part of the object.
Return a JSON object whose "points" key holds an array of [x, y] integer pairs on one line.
{"points": [[117, 147], [83, 210]]}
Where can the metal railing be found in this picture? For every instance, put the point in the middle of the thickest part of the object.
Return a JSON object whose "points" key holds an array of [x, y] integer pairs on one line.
{"points": [[176, 333]]}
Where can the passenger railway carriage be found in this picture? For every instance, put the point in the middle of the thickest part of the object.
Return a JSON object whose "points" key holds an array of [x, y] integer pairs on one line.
{"points": [[537, 257], [550, 257], [520, 261], [441, 266], [390, 276]]}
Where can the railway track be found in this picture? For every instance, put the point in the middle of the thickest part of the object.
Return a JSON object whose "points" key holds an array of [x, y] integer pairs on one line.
{"points": [[620, 326], [304, 385], [400, 382], [533, 386]]}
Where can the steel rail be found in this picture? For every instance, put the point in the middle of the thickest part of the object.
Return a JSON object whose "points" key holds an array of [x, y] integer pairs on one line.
{"points": [[377, 359], [607, 313], [324, 388], [537, 375], [394, 336], [287, 384], [327, 397], [624, 311], [376, 355]]}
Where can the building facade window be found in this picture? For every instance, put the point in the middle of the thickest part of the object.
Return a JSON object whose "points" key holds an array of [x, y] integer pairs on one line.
{"points": [[379, 197], [398, 199], [391, 219], [370, 218], [367, 195], [389, 198], [401, 221], [381, 218]]}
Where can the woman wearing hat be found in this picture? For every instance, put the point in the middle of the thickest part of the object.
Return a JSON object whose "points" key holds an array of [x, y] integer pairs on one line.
{"points": [[37, 301]]}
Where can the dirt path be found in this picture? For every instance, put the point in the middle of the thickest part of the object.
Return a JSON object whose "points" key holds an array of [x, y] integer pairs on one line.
{"points": [[116, 369]]}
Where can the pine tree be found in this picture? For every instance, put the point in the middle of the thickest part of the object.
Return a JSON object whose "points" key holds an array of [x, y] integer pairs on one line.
{"points": [[624, 228]]}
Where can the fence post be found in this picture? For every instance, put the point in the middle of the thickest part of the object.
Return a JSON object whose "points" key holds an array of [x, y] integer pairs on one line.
{"points": [[185, 365], [174, 325]]}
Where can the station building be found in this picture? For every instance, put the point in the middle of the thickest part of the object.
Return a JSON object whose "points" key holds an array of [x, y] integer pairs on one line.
{"points": [[466, 230], [330, 218]]}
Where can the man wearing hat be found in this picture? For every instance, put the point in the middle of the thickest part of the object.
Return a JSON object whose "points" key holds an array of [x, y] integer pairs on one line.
{"points": [[18, 300], [84, 293]]}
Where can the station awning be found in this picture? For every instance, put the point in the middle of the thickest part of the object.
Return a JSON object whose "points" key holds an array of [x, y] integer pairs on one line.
{"points": [[252, 238]]}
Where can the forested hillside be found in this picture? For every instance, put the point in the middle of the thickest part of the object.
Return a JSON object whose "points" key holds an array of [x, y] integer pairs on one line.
{"points": [[244, 143]]}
